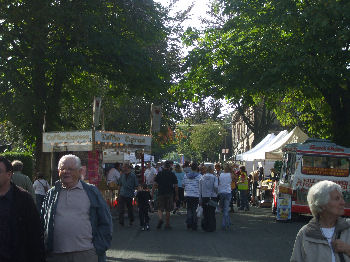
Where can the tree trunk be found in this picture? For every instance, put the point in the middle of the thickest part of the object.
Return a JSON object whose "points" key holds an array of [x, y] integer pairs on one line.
{"points": [[339, 102]]}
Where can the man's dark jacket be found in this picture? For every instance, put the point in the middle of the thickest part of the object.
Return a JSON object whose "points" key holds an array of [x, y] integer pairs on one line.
{"points": [[28, 240]]}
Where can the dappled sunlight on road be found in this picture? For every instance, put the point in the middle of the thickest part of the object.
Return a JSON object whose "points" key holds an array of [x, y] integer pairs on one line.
{"points": [[132, 256]]}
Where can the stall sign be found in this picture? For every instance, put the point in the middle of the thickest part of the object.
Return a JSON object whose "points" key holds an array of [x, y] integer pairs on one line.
{"points": [[123, 138], [67, 137], [325, 171], [67, 141]]}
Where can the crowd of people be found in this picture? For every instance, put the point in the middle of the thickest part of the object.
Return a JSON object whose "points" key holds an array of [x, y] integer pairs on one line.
{"points": [[196, 188]]}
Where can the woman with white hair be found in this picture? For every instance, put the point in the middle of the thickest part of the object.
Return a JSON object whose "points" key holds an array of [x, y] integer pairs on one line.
{"points": [[327, 236]]}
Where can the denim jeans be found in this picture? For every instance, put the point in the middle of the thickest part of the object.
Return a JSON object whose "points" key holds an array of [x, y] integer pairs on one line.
{"points": [[192, 204], [225, 199]]}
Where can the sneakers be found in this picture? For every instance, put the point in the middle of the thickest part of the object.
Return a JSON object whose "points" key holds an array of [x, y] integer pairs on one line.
{"points": [[144, 228], [227, 227], [160, 223]]}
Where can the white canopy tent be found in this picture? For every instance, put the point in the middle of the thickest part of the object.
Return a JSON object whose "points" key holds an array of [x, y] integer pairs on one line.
{"points": [[295, 136], [270, 149], [262, 143], [258, 152]]}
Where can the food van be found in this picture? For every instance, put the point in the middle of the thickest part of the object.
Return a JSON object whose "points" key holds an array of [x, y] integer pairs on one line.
{"points": [[304, 165]]}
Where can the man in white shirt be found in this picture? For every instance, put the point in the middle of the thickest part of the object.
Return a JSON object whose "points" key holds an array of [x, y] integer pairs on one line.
{"points": [[113, 174], [150, 174]]}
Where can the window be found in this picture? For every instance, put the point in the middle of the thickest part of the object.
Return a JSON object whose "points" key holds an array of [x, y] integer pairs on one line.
{"points": [[325, 166], [288, 166]]}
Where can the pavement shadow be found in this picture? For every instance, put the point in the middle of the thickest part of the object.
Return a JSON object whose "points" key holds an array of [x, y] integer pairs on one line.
{"points": [[253, 236]]}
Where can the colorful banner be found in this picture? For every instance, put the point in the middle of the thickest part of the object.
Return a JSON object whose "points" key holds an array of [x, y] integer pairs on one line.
{"points": [[93, 175]]}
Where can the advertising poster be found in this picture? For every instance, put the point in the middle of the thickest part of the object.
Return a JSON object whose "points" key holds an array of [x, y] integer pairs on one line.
{"points": [[284, 207]]}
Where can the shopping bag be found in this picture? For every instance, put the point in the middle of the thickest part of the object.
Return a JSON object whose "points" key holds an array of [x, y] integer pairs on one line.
{"points": [[199, 211]]}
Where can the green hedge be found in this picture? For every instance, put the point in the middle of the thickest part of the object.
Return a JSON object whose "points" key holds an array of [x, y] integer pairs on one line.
{"points": [[26, 159]]}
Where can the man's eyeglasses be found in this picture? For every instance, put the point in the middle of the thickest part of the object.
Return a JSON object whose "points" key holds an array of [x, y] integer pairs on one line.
{"points": [[69, 169]]}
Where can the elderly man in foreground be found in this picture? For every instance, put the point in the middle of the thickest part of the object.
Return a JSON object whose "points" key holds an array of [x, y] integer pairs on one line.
{"points": [[327, 236], [77, 221]]}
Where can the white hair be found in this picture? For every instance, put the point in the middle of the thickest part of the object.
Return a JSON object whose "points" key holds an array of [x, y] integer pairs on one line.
{"points": [[319, 194], [70, 156]]}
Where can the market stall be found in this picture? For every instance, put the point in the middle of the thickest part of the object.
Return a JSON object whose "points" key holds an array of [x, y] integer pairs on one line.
{"points": [[95, 149], [265, 193]]}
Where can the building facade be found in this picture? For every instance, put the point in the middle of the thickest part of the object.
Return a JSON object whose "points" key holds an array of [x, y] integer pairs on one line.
{"points": [[242, 135]]}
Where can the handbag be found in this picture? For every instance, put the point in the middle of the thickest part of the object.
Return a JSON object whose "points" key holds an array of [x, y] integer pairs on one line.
{"points": [[212, 203], [199, 211]]}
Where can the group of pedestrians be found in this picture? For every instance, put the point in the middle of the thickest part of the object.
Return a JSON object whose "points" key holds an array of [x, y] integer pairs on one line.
{"points": [[191, 186]]}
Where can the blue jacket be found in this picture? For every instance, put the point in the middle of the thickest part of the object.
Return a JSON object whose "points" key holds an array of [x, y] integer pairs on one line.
{"points": [[191, 184], [100, 218]]}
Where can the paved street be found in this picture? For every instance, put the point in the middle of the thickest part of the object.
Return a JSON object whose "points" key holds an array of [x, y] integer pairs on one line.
{"points": [[254, 236]]}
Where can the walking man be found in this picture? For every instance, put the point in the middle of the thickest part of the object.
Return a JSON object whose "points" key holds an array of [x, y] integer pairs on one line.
{"points": [[165, 182], [76, 218], [21, 180], [21, 234], [127, 185]]}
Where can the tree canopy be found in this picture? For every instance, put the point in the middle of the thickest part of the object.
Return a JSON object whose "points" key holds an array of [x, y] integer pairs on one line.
{"points": [[56, 55], [281, 51]]}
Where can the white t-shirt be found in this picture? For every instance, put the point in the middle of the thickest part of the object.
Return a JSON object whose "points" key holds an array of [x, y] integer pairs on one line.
{"points": [[328, 233], [150, 174], [38, 186], [113, 176]]}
